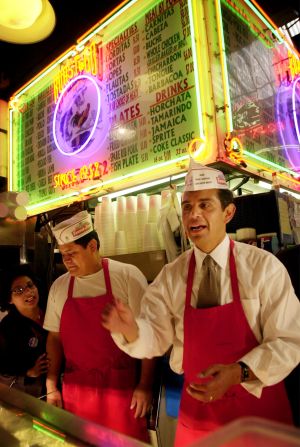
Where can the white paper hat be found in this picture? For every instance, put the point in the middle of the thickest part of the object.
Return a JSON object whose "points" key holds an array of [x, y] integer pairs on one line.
{"points": [[203, 177], [73, 228]]}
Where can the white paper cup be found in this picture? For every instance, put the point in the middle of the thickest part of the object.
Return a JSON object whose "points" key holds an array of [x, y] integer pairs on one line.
{"points": [[121, 204], [106, 205], [151, 239], [165, 195], [120, 242], [131, 203], [142, 202]]}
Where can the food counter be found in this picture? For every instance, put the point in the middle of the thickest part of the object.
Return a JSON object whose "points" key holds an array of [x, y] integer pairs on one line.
{"points": [[27, 421]]}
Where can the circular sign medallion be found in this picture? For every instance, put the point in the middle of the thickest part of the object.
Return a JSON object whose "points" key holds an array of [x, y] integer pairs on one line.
{"points": [[76, 115]]}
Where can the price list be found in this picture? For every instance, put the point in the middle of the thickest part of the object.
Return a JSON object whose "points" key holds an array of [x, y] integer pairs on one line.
{"points": [[36, 166], [152, 97], [148, 106]]}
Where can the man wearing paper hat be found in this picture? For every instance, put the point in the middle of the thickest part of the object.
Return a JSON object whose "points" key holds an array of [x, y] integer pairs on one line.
{"points": [[234, 348], [99, 381]]}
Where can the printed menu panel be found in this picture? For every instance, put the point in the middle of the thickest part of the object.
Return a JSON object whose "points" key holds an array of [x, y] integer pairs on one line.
{"points": [[127, 101]]}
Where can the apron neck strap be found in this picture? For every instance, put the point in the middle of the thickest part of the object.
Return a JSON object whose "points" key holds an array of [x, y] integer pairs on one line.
{"points": [[71, 287], [106, 276], [190, 278], [233, 274]]}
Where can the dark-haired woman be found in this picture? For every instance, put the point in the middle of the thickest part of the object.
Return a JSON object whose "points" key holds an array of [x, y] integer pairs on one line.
{"points": [[23, 358]]}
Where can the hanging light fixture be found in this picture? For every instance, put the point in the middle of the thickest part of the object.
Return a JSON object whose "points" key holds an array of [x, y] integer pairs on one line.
{"points": [[26, 21]]}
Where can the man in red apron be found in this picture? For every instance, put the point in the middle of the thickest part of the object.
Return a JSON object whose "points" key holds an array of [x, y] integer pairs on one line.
{"points": [[100, 382], [234, 352]]}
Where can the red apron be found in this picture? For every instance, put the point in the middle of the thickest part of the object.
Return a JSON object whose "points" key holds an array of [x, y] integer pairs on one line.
{"points": [[221, 334], [99, 378]]}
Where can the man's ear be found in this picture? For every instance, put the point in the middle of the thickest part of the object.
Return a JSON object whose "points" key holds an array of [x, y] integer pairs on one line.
{"points": [[93, 245], [229, 212]]}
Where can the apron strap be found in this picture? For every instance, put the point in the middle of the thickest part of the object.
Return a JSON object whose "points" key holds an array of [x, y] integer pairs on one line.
{"points": [[233, 275], [190, 279], [107, 278], [71, 287]]}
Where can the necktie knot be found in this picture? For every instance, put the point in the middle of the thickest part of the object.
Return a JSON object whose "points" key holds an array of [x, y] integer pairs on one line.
{"points": [[209, 289]]}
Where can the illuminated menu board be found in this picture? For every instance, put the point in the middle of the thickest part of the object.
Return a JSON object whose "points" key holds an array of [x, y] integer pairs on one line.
{"points": [[125, 102], [264, 93]]}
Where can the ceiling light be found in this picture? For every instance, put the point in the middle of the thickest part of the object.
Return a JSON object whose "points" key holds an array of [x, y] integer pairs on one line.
{"points": [[25, 21]]}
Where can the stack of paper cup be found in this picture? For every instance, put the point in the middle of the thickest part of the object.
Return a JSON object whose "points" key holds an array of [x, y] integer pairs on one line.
{"points": [[131, 223], [151, 239], [154, 208], [142, 218], [120, 242], [106, 226], [120, 213], [165, 196]]}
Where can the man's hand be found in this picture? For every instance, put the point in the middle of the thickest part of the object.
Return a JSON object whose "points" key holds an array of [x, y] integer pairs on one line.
{"points": [[216, 380], [118, 317], [141, 401], [40, 367], [54, 398]]}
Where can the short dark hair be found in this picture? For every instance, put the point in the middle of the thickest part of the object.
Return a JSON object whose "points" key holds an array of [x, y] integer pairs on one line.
{"points": [[226, 197], [8, 277], [84, 240]]}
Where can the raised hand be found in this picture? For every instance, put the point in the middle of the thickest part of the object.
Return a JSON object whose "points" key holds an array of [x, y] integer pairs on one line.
{"points": [[118, 317]]}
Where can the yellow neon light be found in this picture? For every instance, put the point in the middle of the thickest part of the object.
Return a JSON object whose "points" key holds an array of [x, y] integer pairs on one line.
{"points": [[136, 173], [52, 201], [10, 175], [279, 174], [227, 106], [41, 74], [105, 21], [294, 65], [85, 61], [196, 71], [202, 145], [234, 150]]}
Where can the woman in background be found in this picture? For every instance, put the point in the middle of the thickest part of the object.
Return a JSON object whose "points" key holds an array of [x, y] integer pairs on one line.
{"points": [[23, 358]]}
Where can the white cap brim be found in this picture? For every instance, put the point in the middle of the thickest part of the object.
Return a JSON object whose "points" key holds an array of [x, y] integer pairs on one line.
{"points": [[74, 228]]}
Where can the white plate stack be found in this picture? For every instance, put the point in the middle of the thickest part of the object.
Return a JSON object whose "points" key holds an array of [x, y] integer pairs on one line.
{"points": [[105, 222], [142, 218], [131, 223]]}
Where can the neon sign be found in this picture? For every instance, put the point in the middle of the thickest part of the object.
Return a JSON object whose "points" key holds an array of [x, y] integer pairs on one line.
{"points": [[288, 117], [76, 115], [85, 62], [294, 65], [76, 176]]}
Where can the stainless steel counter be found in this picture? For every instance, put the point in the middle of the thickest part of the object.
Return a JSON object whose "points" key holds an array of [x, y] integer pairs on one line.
{"points": [[28, 422]]}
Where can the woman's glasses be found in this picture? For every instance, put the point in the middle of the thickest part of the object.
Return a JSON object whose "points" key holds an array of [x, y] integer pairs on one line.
{"points": [[22, 289]]}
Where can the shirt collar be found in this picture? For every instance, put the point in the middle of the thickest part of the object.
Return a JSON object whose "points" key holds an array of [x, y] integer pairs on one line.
{"points": [[219, 254]]}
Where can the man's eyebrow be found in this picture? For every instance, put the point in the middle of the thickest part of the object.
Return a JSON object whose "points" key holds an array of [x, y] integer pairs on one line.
{"points": [[204, 199]]}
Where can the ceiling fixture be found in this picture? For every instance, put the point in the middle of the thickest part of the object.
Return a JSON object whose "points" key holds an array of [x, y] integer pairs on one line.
{"points": [[26, 21]]}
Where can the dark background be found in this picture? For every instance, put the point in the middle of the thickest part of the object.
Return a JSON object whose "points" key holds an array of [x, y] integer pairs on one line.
{"points": [[19, 63]]}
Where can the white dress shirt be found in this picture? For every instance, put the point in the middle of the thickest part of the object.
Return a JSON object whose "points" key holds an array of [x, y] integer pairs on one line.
{"points": [[268, 299]]}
